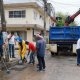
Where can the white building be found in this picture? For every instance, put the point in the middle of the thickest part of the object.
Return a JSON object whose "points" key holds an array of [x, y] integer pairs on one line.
{"points": [[26, 19]]}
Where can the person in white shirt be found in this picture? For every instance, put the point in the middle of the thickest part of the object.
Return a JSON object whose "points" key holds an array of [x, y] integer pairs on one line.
{"points": [[78, 52], [11, 40]]}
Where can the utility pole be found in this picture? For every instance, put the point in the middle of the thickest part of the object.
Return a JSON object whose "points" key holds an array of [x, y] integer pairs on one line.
{"points": [[3, 22], [45, 10], [3, 26]]}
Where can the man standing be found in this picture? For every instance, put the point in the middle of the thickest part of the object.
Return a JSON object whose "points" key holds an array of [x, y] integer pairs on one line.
{"points": [[11, 39], [40, 45], [78, 52], [1, 45]]}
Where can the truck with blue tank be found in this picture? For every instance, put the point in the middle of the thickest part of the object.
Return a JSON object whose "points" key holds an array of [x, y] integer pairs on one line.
{"points": [[63, 39]]}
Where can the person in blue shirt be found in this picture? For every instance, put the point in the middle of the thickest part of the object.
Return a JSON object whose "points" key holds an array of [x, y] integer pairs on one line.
{"points": [[1, 44], [40, 45]]}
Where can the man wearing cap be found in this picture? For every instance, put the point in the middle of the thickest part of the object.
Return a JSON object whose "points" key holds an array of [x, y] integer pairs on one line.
{"points": [[40, 45]]}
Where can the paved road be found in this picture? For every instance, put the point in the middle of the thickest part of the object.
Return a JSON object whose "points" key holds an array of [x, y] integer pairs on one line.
{"points": [[57, 68]]}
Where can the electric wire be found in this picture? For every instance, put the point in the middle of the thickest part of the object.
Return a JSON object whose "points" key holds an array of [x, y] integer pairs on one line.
{"points": [[54, 2]]}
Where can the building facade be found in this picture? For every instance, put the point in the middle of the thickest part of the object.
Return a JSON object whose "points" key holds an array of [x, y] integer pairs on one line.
{"points": [[26, 19]]}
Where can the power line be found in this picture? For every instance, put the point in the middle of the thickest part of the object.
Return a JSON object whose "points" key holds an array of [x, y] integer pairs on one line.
{"points": [[76, 5], [63, 3]]}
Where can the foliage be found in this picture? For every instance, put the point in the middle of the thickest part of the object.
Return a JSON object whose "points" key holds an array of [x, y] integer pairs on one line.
{"points": [[61, 22]]}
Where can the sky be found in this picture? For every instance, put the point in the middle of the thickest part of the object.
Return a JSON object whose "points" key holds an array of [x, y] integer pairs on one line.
{"points": [[64, 6]]}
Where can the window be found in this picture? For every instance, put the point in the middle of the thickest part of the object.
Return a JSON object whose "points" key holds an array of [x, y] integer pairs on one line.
{"points": [[17, 14], [40, 16], [35, 15]]}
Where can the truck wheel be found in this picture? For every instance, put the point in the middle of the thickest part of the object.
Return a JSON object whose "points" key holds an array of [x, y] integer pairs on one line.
{"points": [[52, 53]]}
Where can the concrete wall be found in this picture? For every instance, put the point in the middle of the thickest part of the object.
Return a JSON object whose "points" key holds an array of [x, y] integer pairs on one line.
{"points": [[30, 35], [26, 20], [29, 19]]}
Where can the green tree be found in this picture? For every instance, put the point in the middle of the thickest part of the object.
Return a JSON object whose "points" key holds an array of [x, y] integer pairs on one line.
{"points": [[61, 19]]}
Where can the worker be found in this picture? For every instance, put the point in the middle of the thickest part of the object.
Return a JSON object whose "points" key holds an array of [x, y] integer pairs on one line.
{"points": [[11, 40], [22, 48], [78, 52], [31, 51], [40, 46], [1, 45]]}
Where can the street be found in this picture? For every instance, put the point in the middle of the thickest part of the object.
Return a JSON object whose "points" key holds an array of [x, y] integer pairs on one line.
{"points": [[28, 26], [57, 68]]}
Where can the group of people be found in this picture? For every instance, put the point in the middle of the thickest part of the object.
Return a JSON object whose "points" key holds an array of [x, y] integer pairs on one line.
{"points": [[38, 49]]}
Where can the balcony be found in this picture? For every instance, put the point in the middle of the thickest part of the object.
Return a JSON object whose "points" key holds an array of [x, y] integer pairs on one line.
{"points": [[39, 2]]}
